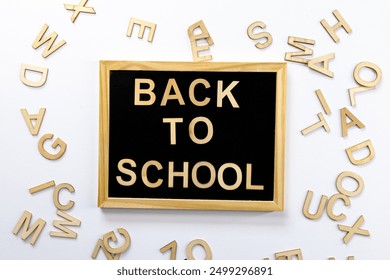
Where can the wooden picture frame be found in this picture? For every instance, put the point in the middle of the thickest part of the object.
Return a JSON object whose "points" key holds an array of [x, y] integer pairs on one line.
{"points": [[192, 135]]}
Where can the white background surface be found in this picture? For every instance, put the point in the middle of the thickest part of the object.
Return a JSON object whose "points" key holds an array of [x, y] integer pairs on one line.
{"points": [[70, 97]]}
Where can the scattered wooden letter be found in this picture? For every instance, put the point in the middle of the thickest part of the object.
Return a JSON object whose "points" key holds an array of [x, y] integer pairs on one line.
{"points": [[332, 29], [142, 25], [57, 143], [194, 38], [35, 230], [261, 35], [35, 69], [80, 8], [305, 51], [50, 47]]}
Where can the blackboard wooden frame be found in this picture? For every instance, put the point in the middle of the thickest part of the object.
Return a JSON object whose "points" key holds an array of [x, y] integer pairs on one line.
{"points": [[276, 203]]}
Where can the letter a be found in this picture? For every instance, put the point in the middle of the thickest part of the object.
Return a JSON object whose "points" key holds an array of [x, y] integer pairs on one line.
{"points": [[344, 112], [34, 129], [324, 62]]}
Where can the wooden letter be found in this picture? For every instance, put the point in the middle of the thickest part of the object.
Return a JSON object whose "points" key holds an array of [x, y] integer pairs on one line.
{"points": [[142, 25], [349, 258], [364, 85], [148, 91], [191, 92], [323, 66], [61, 224], [176, 96], [373, 67], [261, 35], [35, 230], [172, 128], [111, 236], [38, 118], [41, 70], [57, 143], [227, 92], [50, 47], [170, 246], [355, 229], [42, 187], [194, 175], [249, 185], [221, 180], [323, 102], [305, 51], [344, 113], [56, 198], [332, 200], [288, 255], [210, 130], [332, 29], [320, 209], [172, 174], [204, 34], [109, 256], [356, 177], [131, 173], [321, 123], [79, 8], [365, 144], [144, 173]]}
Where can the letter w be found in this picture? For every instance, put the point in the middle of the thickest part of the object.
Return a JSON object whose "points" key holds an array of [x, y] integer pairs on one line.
{"points": [[50, 39], [35, 230]]}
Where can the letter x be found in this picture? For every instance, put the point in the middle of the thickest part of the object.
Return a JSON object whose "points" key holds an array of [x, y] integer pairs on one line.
{"points": [[80, 8], [355, 229]]}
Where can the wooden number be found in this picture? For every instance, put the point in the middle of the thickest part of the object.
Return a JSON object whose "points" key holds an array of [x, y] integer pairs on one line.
{"points": [[170, 246], [201, 243]]}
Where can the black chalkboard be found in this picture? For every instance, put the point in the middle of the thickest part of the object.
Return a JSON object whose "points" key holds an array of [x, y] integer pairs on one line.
{"points": [[191, 136]]}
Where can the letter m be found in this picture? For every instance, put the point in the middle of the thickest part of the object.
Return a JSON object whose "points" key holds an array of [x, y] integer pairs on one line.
{"points": [[35, 230], [50, 39]]}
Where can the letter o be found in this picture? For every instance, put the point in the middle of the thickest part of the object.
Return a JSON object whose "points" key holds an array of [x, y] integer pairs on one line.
{"points": [[222, 182], [372, 66], [195, 177], [210, 130], [358, 179]]}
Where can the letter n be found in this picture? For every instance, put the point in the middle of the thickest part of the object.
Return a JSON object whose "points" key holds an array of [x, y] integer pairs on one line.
{"points": [[35, 230], [50, 39]]}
